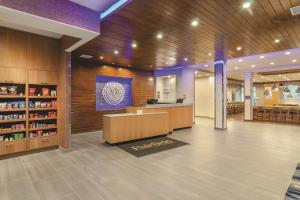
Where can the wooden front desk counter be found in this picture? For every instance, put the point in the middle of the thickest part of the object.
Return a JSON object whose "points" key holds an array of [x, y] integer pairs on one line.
{"points": [[180, 115], [130, 126]]}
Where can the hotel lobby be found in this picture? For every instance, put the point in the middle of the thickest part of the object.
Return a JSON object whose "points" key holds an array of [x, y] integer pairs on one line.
{"points": [[128, 99]]}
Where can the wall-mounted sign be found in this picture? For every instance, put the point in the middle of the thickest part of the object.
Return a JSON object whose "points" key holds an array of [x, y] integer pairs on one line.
{"points": [[113, 92]]}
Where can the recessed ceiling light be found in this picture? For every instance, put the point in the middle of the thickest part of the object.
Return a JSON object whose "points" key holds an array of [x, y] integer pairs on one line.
{"points": [[159, 36], [86, 56], [209, 54], [261, 57], [206, 65], [101, 57], [185, 59], [252, 65], [246, 5], [287, 53], [294, 60], [151, 66], [116, 52], [196, 72], [195, 22], [239, 48], [236, 68], [272, 63], [151, 78], [207, 74], [129, 65], [169, 76], [240, 60], [134, 45], [113, 63], [276, 41]]}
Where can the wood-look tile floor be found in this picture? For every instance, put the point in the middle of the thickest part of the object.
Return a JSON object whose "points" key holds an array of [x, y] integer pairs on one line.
{"points": [[249, 161]]}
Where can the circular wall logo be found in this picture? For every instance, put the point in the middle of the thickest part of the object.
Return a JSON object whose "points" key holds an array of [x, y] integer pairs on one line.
{"points": [[113, 93]]}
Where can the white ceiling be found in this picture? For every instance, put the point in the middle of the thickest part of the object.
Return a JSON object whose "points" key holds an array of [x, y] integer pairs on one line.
{"points": [[31, 23], [34, 30], [280, 59], [97, 5], [257, 78], [237, 67]]}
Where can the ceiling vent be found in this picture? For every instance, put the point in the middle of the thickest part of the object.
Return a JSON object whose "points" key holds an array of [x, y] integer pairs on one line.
{"points": [[295, 10], [86, 56]]}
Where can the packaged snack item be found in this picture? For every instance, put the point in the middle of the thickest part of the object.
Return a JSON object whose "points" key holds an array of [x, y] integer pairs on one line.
{"points": [[32, 91], [37, 104], [15, 104], [22, 104], [45, 92], [3, 105], [9, 105], [16, 136], [53, 103], [3, 90], [31, 104], [53, 93], [12, 90]]}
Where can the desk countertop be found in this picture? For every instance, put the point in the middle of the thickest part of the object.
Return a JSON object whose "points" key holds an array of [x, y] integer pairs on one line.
{"points": [[168, 105], [132, 114]]}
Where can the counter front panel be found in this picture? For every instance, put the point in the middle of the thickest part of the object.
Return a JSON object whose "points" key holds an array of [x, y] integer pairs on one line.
{"points": [[179, 115], [129, 126]]}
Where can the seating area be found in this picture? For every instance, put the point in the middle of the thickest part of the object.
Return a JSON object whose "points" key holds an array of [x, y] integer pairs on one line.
{"points": [[235, 108], [277, 114]]}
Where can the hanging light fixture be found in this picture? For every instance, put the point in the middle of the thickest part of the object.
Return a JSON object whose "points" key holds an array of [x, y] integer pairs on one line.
{"points": [[286, 89], [281, 85], [267, 92], [298, 89], [290, 96], [274, 87]]}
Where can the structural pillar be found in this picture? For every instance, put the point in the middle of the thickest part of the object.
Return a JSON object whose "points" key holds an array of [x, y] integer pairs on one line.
{"points": [[248, 88], [220, 88]]}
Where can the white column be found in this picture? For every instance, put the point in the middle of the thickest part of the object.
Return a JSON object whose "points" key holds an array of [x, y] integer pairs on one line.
{"points": [[248, 85], [220, 94]]}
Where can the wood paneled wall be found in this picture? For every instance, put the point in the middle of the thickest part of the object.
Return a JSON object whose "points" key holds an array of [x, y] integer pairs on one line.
{"points": [[28, 51], [84, 116]]}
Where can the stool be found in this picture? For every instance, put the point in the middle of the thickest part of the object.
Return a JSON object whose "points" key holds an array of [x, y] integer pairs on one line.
{"points": [[266, 114]]}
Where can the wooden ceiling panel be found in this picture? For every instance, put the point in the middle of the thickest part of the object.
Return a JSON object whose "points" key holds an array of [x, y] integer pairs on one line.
{"points": [[254, 30]]}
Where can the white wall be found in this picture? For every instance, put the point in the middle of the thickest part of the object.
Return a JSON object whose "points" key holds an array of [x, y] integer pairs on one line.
{"points": [[204, 97], [166, 87], [260, 97], [186, 85]]}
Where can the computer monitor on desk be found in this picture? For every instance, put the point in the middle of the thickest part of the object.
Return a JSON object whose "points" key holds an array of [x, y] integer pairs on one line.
{"points": [[152, 101], [179, 100]]}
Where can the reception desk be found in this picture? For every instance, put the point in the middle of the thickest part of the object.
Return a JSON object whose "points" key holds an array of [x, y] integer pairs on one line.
{"points": [[130, 126], [179, 115]]}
